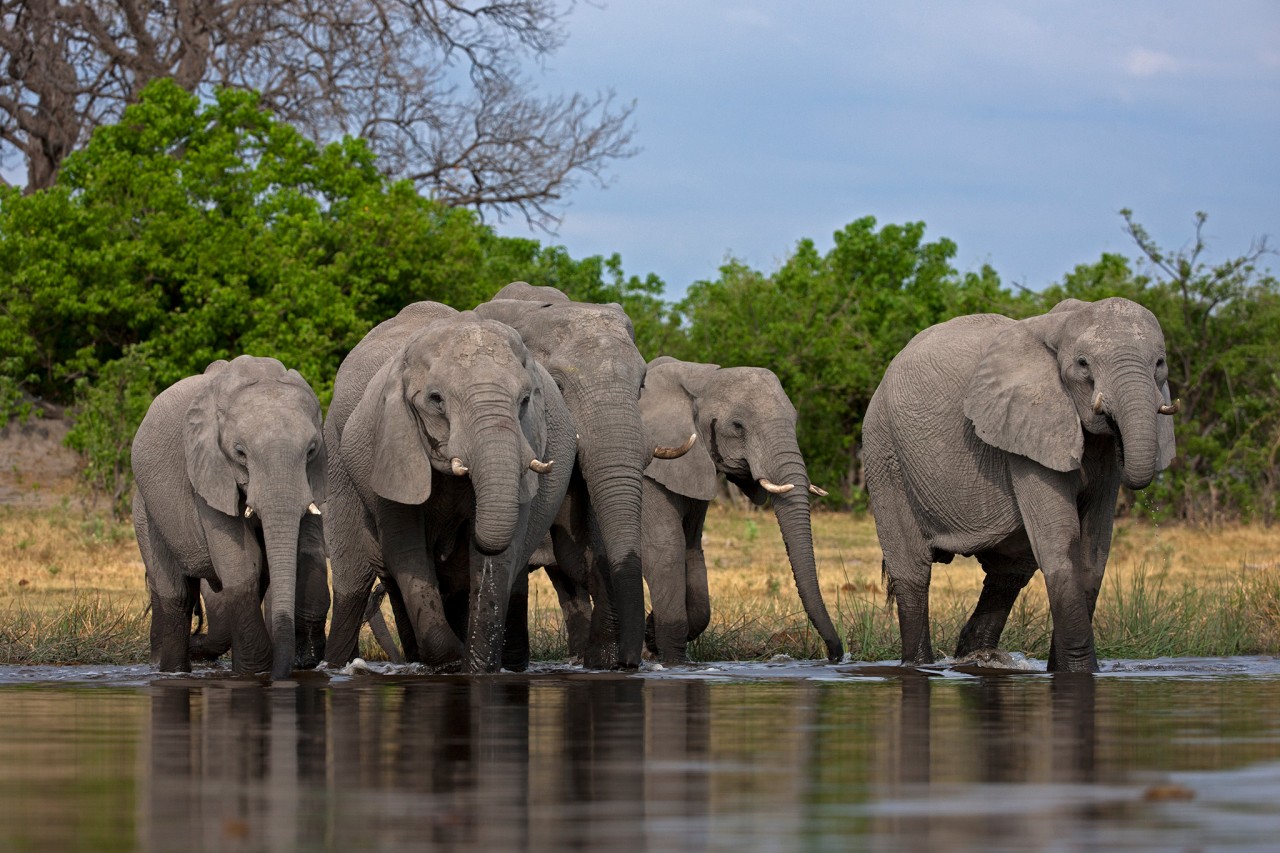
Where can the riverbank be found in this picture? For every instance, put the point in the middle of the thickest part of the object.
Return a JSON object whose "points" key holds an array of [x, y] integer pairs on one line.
{"points": [[72, 591]]}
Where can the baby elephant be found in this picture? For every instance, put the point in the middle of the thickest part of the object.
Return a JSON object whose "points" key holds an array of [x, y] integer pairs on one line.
{"points": [[230, 472]]}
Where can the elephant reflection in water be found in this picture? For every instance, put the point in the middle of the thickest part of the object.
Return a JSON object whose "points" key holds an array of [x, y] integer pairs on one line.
{"points": [[504, 764], [1003, 732]]}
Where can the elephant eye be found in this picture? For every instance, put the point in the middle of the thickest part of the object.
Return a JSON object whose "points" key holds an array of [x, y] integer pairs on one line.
{"points": [[238, 449], [524, 405], [738, 426], [436, 399], [1160, 362], [1082, 361], [311, 451]]}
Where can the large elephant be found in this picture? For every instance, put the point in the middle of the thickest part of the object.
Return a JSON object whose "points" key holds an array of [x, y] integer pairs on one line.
{"points": [[443, 438], [1008, 440], [230, 473], [590, 351], [746, 428]]}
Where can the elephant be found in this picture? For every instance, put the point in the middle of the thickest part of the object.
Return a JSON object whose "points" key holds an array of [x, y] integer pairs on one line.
{"points": [[230, 472], [1008, 440], [443, 437], [746, 428], [590, 352]]}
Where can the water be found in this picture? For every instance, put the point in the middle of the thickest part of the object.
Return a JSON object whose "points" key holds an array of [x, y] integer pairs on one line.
{"points": [[1165, 755]]}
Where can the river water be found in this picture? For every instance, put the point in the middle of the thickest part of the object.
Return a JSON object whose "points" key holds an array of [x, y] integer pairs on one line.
{"points": [[1149, 755]]}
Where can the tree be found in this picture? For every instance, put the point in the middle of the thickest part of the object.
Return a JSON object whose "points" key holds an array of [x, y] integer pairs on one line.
{"points": [[828, 325], [435, 86], [1220, 322]]}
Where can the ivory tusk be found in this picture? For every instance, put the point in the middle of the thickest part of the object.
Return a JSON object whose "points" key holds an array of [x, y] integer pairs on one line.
{"points": [[1172, 408], [675, 452], [248, 511], [459, 470], [541, 467], [1097, 403], [822, 493], [313, 509], [774, 488]]}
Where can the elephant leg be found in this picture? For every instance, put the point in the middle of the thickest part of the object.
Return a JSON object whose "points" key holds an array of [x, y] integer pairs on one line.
{"points": [[215, 641], [312, 601], [1006, 576], [404, 625], [173, 596], [569, 578], [352, 551], [907, 564], [1048, 502], [663, 549], [250, 642], [377, 624], [697, 593], [515, 650], [602, 641]]}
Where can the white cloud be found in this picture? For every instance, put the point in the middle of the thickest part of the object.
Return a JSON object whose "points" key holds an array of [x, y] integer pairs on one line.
{"points": [[1144, 62]]}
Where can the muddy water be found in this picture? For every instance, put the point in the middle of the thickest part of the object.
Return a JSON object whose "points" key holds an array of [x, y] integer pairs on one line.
{"points": [[1173, 754]]}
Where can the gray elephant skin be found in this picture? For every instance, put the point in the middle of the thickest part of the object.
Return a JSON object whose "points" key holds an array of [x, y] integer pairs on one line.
{"points": [[443, 437], [230, 473], [746, 429], [1008, 440], [590, 352]]}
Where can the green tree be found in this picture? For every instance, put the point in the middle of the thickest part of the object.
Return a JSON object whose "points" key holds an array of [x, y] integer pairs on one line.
{"points": [[828, 325]]}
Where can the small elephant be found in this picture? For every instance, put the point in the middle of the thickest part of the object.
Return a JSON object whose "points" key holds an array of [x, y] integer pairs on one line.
{"points": [[443, 436], [1008, 440], [230, 473], [746, 430]]}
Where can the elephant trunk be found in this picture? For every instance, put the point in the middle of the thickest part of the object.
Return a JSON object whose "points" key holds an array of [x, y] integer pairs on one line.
{"points": [[281, 510], [496, 468], [792, 510], [612, 458], [1135, 417]]}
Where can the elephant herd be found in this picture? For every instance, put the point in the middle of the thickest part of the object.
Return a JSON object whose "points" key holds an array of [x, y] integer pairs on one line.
{"points": [[462, 449]]}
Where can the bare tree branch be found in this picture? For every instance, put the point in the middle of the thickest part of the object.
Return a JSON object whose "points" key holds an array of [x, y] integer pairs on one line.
{"points": [[436, 86]]}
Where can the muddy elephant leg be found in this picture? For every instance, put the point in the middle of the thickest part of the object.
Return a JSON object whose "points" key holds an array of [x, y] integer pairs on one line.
{"points": [[1006, 576], [515, 651], [697, 593], [312, 601], [352, 551], [173, 596], [569, 577], [907, 564], [663, 549], [215, 640]]}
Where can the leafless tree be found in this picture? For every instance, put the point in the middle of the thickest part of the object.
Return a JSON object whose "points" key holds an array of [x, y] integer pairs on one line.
{"points": [[434, 85]]}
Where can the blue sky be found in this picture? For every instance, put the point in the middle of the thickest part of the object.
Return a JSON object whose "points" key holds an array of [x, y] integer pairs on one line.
{"points": [[1018, 130]]}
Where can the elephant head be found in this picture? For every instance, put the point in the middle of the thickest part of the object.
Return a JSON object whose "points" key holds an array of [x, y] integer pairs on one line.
{"points": [[254, 449], [590, 352], [1084, 367], [746, 429]]}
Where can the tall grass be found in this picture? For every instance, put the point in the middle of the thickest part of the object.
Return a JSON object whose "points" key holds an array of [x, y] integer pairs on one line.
{"points": [[72, 590]]}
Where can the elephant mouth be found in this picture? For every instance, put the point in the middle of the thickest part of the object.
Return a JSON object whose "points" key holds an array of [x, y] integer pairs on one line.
{"points": [[1115, 433]]}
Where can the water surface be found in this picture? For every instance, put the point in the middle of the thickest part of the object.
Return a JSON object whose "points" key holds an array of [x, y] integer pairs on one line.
{"points": [[1169, 754]]}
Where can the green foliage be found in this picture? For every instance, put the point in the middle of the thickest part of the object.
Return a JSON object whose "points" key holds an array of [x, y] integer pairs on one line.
{"points": [[1220, 324], [191, 232], [828, 325]]}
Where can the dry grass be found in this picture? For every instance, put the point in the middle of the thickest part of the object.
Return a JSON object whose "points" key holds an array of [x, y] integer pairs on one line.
{"points": [[72, 589]]}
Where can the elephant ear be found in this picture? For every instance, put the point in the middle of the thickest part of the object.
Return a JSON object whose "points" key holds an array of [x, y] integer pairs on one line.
{"points": [[537, 425], [1165, 447], [212, 474], [669, 413], [1017, 401], [401, 469], [318, 466]]}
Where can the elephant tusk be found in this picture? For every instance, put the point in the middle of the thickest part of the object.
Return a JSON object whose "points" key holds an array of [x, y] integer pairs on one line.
{"points": [[313, 509], [1097, 403], [459, 470], [822, 493], [541, 467], [248, 511], [1172, 408], [675, 452], [774, 488]]}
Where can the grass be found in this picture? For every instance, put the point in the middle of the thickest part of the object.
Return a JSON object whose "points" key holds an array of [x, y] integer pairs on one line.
{"points": [[72, 591]]}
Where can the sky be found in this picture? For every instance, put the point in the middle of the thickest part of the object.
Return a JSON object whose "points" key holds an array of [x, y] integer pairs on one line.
{"points": [[1018, 130]]}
